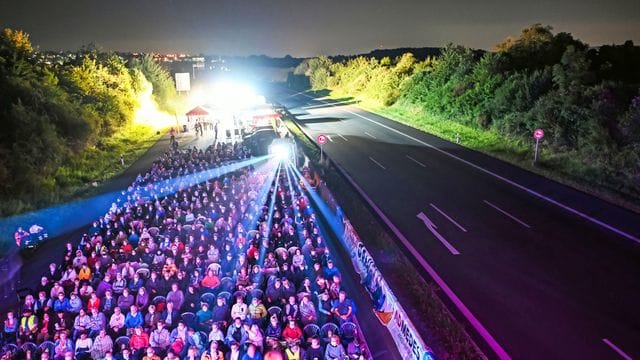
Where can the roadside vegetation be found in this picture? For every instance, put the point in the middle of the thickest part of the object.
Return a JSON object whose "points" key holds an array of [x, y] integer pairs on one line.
{"points": [[587, 100], [65, 124]]}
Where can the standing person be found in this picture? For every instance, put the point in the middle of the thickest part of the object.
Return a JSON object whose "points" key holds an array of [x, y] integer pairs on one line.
{"points": [[172, 133]]}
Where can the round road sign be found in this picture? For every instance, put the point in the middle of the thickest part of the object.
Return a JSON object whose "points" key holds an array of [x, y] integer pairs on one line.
{"points": [[538, 134], [322, 139]]}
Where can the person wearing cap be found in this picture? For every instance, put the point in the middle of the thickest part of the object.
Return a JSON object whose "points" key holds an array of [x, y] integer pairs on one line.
{"points": [[235, 352], [28, 326]]}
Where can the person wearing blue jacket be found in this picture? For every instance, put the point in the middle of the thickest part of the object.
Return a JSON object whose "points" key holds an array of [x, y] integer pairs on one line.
{"points": [[133, 319]]}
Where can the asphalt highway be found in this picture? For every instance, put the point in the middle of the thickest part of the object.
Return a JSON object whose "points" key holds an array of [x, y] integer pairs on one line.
{"points": [[536, 269]]}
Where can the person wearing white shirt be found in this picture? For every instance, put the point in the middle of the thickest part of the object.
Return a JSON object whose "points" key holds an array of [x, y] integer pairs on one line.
{"points": [[239, 309]]}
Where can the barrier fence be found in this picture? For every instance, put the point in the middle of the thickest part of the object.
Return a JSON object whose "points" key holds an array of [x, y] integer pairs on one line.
{"points": [[386, 306]]}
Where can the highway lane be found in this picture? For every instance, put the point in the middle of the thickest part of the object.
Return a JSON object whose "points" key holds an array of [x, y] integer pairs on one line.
{"points": [[542, 281]]}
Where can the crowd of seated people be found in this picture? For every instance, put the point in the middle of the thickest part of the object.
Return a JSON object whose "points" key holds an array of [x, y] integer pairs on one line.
{"points": [[203, 268]]}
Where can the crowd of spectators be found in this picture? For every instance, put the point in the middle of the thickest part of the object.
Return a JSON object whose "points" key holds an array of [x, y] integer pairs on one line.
{"points": [[191, 263]]}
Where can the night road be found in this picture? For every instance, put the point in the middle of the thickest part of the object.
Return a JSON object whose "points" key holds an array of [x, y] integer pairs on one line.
{"points": [[539, 270]]}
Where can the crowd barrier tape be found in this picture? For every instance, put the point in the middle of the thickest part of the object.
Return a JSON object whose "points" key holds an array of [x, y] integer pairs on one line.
{"points": [[386, 306]]}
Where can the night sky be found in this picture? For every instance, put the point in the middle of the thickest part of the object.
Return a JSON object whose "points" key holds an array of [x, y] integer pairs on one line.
{"points": [[307, 28]]}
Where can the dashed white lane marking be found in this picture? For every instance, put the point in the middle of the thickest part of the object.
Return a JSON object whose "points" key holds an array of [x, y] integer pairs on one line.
{"points": [[377, 163], [509, 215], [416, 161], [448, 218]]}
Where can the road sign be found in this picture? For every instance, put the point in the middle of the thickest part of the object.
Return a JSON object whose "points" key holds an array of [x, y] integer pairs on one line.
{"points": [[183, 82], [322, 139], [538, 134]]}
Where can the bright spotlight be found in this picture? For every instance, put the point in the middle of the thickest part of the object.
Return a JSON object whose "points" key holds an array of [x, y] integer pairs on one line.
{"points": [[280, 150]]}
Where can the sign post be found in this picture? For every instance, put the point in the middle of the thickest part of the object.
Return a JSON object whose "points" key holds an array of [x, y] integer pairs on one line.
{"points": [[322, 139], [537, 134]]}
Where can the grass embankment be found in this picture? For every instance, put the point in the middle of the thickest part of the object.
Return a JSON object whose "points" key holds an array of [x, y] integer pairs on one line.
{"points": [[95, 164], [440, 330], [567, 167]]}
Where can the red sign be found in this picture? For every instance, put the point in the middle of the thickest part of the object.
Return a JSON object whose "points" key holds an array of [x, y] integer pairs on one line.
{"points": [[322, 139], [538, 134]]}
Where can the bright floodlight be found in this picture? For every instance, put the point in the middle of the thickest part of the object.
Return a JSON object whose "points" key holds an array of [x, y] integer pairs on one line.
{"points": [[280, 151], [234, 96]]}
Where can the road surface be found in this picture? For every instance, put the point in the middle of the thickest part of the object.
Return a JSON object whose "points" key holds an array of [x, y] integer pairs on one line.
{"points": [[539, 270]]}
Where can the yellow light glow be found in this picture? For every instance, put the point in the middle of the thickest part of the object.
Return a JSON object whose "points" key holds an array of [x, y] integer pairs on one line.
{"points": [[148, 112]]}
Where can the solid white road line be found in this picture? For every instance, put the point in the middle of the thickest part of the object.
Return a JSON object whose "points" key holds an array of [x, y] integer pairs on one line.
{"points": [[617, 349], [366, 133], [508, 181], [342, 137], [377, 163], [329, 137], [509, 215], [416, 161], [432, 227], [448, 217]]}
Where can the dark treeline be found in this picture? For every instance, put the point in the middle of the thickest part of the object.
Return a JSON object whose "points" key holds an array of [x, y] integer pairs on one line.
{"points": [[586, 99], [51, 112]]}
